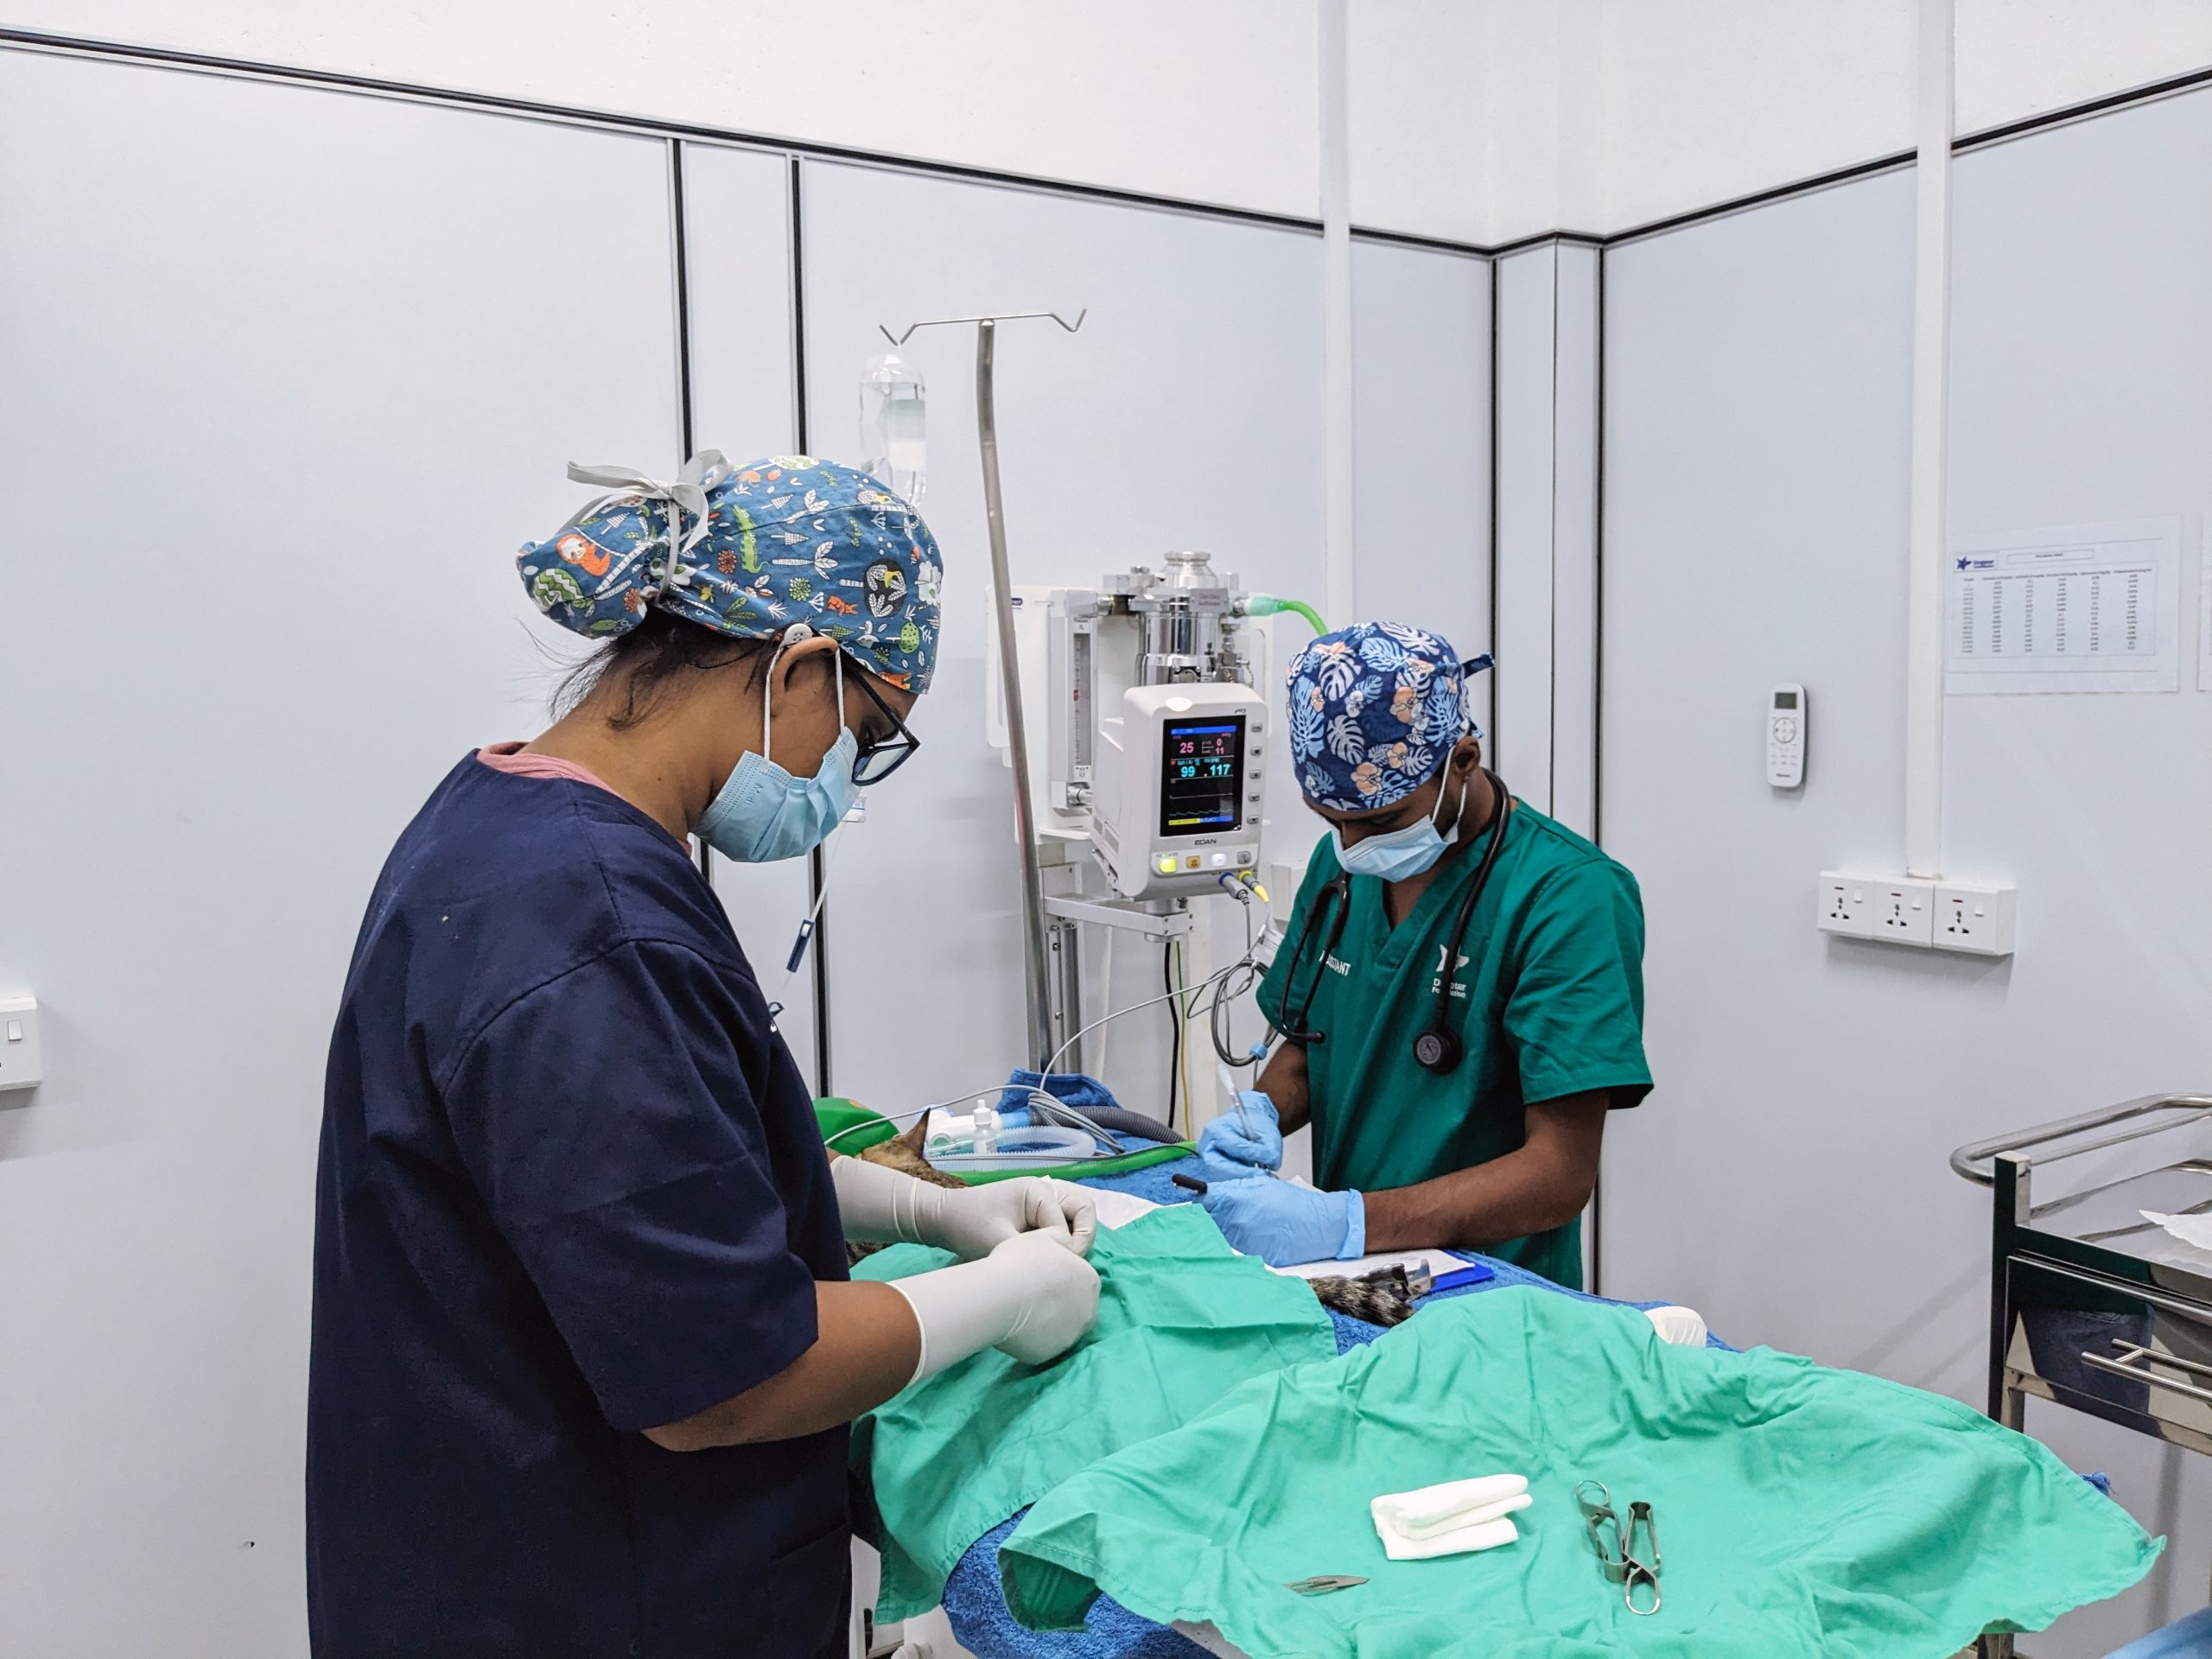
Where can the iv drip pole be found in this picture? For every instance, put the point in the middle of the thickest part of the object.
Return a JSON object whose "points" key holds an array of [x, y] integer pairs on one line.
{"points": [[1025, 829]]}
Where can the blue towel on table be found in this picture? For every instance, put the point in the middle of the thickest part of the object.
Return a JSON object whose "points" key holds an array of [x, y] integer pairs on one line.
{"points": [[2190, 1639]]}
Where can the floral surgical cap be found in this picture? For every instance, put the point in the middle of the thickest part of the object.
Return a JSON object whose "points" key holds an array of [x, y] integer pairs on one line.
{"points": [[1375, 710], [757, 548]]}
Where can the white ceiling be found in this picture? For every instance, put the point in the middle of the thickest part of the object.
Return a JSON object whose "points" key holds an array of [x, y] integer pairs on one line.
{"points": [[1477, 120], [1487, 120]]}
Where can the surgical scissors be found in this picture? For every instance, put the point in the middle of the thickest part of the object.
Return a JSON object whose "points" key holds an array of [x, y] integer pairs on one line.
{"points": [[1621, 1561]]}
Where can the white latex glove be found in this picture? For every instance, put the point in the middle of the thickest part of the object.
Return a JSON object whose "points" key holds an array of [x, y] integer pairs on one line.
{"points": [[975, 1222], [884, 1206], [1032, 1297]]}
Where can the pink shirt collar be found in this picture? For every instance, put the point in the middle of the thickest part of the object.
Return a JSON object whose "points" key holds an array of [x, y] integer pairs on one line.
{"points": [[509, 758]]}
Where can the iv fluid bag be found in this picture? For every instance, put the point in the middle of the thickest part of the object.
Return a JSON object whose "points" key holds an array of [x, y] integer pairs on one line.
{"points": [[892, 435]]}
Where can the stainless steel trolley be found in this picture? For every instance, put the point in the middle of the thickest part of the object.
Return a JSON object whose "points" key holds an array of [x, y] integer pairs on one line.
{"points": [[2090, 1304]]}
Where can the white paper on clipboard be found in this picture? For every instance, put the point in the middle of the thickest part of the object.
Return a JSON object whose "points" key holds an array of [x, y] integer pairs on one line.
{"points": [[2068, 607]]}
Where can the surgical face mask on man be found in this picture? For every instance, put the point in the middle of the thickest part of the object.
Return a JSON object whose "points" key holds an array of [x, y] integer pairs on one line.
{"points": [[762, 813], [1400, 854]]}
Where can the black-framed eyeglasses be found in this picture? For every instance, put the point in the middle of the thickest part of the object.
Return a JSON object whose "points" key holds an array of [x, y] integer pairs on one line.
{"points": [[881, 756]]}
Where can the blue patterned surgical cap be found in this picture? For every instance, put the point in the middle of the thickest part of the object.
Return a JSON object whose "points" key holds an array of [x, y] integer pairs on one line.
{"points": [[757, 548], [1375, 710]]}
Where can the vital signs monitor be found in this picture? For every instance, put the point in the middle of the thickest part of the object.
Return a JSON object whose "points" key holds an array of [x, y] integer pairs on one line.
{"points": [[1176, 805]]}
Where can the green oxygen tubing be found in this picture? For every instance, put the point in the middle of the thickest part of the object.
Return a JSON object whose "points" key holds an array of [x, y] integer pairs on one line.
{"points": [[1268, 605]]}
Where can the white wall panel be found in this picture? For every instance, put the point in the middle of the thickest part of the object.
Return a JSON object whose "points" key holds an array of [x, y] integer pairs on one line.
{"points": [[1755, 395], [1528, 325], [1574, 546], [1187, 413], [290, 375], [1421, 388], [2081, 377], [744, 403], [738, 268], [1546, 528], [1788, 1175]]}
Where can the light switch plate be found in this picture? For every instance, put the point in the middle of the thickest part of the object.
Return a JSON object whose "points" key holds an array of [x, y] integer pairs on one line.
{"points": [[19, 1051]]}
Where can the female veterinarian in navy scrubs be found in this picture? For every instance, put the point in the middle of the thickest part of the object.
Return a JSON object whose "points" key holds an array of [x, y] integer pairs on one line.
{"points": [[584, 1347]]}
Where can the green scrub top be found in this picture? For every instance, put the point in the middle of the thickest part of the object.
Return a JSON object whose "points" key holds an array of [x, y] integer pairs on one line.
{"points": [[1548, 985]]}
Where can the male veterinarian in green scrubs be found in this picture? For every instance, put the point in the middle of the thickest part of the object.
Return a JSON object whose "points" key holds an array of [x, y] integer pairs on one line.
{"points": [[1461, 990]]}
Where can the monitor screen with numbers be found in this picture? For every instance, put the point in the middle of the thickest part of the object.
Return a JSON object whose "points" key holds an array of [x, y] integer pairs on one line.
{"points": [[1201, 774]]}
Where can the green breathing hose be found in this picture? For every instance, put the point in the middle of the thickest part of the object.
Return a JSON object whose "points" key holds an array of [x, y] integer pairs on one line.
{"points": [[1268, 605]]}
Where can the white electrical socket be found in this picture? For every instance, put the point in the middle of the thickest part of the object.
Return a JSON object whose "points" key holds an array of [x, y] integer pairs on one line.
{"points": [[1975, 918], [20, 1066], [1892, 907], [1904, 910], [1846, 904]]}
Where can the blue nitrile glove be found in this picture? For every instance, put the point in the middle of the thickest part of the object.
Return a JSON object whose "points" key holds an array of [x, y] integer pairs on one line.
{"points": [[1228, 1151], [1285, 1225]]}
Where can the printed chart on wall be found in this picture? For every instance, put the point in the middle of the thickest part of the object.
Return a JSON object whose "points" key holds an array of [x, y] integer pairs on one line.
{"points": [[2070, 607]]}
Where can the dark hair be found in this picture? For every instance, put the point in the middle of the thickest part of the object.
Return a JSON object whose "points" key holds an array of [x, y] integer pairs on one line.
{"points": [[633, 671]]}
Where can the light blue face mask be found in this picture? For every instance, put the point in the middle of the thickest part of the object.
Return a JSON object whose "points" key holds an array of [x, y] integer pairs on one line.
{"points": [[1401, 854], [762, 813]]}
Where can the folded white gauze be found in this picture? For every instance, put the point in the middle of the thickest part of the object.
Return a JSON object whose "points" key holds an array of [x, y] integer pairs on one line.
{"points": [[1682, 1326], [1450, 1519], [1490, 1536]]}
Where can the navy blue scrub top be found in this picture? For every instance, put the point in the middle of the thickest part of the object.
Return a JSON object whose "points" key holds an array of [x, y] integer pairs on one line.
{"points": [[571, 1188]]}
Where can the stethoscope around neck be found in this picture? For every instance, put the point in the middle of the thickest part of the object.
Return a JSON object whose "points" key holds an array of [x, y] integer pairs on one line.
{"points": [[1439, 1047]]}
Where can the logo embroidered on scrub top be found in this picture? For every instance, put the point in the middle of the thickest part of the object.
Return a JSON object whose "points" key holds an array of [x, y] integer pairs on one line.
{"points": [[1444, 953], [1336, 965]]}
